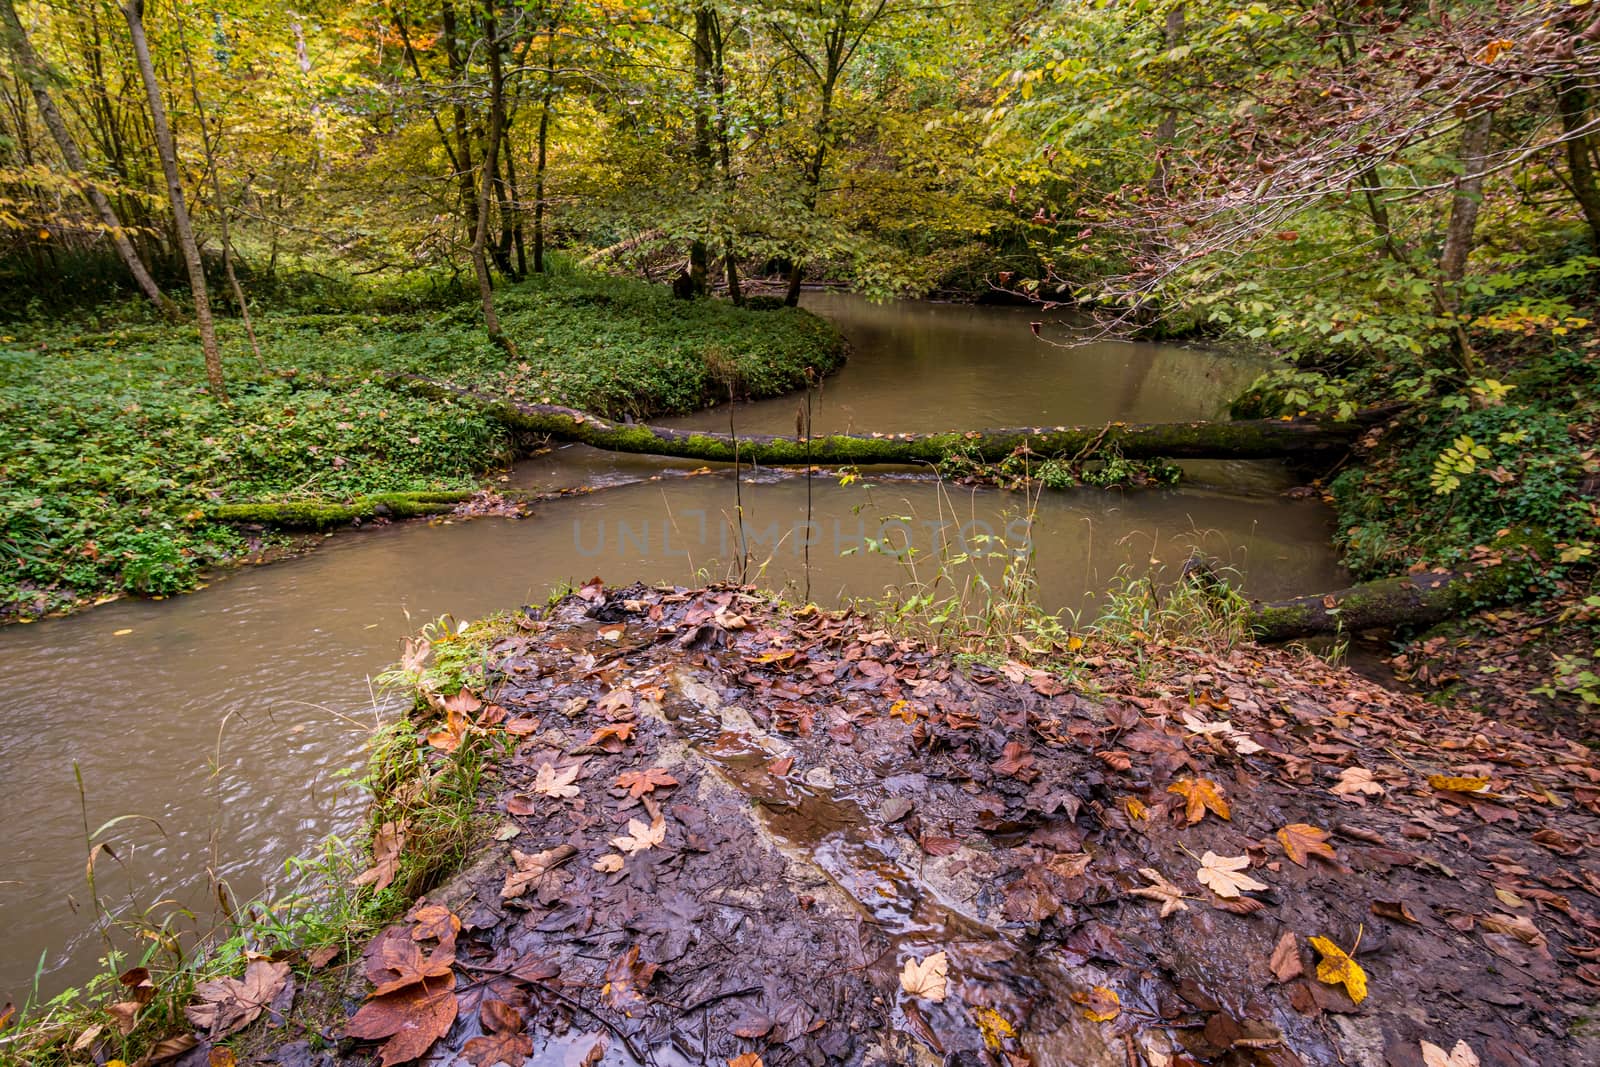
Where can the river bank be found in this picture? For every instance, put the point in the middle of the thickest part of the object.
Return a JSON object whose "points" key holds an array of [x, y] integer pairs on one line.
{"points": [[110, 493], [1161, 842]]}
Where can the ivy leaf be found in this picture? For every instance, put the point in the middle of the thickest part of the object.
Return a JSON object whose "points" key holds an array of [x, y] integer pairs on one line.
{"points": [[1223, 875], [1200, 794], [1337, 968]]}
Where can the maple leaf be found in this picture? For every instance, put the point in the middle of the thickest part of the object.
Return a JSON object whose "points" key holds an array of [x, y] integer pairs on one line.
{"points": [[455, 731], [1300, 840], [1460, 1056], [1101, 1004], [408, 1020], [626, 979], [746, 1059], [640, 837], [1200, 793], [503, 1039], [1170, 896], [400, 963], [225, 1006], [1014, 760], [434, 921], [551, 784], [638, 783], [927, 978], [994, 1027], [613, 734], [1353, 782], [610, 863], [1223, 875], [1337, 968], [539, 870]]}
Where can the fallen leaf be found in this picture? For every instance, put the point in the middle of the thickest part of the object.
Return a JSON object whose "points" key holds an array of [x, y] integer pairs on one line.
{"points": [[926, 978], [1353, 783], [400, 962], [1221, 874], [1394, 909], [1101, 1004], [638, 783], [434, 921], [994, 1027], [225, 1006], [1337, 968], [1200, 794], [538, 871], [503, 1039], [408, 1020], [1460, 1056], [640, 837], [1170, 896], [746, 1059], [612, 734], [1300, 840], [1285, 961], [548, 782], [610, 863], [387, 845], [1458, 785], [626, 979]]}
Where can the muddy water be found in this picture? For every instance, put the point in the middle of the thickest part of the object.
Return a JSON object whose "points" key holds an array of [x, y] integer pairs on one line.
{"points": [[230, 717]]}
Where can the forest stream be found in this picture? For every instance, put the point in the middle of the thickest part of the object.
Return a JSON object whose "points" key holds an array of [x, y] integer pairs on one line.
{"points": [[228, 719]]}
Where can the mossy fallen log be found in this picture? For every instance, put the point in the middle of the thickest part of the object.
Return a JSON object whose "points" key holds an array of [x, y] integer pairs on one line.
{"points": [[1411, 600], [1251, 439], [318, 515]]}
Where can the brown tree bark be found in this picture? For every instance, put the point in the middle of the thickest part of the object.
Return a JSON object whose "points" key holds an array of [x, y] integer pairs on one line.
{"points": [[1464, 206], [33, 70], [480, 235], [133, 11], [1413, 600], [1572, 100]]}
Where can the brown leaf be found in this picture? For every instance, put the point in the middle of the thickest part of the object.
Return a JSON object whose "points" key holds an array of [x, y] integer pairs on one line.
{"points": [[434, 921], [1285, 961], [1200, 794], [557, 784], [1170, 896], [538, 871], [626, 979], [401, 963], [612, 736], [1302, 839], [1015, 760], [1353, 783], [387, 845], [640, 837], [926, 978], [408, 1021], [503, 1039], [225, 1006], [1394, 909], [638, 783], [1224, 876]]}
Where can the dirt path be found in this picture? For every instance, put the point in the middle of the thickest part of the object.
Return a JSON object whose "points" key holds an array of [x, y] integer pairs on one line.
{"points": [[730, 834]]}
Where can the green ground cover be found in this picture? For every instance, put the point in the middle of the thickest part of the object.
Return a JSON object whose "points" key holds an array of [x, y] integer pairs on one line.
{"points": [[111, 449]]}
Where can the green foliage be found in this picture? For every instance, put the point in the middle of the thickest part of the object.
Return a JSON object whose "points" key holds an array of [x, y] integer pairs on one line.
{"points": [[111, 456]]}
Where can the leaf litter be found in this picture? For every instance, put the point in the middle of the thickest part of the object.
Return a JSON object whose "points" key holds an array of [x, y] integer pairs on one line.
{"points": [[867, 855]]}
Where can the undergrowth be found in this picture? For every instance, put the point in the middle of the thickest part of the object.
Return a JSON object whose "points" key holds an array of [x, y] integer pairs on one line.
{"points": [[111, 450]]}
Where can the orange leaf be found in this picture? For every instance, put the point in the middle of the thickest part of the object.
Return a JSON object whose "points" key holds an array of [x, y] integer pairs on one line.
{"points": [[1302, 839], [408, 1020], [1458, 785], [1200, 793], [638, 783]]}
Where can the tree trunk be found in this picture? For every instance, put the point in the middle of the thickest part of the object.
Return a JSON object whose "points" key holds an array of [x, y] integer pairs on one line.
{"points": [[1250, 439], [1464, 207], [513, 197], [699, 253], [38, 78], [480, 235], [1412, 600], [465, 173], [1573, 101], [222, 205], [133, 11], [538, 186]]}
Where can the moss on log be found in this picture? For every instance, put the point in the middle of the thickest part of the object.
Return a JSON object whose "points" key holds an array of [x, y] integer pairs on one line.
{"points": [[1252, 439], [1413, 600], [318, 515]]}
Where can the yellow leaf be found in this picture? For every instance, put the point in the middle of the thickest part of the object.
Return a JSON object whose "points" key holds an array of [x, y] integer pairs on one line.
{"points": [[1458, 785], [1200, 793], [926, 978], [1337, 968], [1100, 1004], [1135, 808], [994, 1027], [746, 1059], [121, 633]]}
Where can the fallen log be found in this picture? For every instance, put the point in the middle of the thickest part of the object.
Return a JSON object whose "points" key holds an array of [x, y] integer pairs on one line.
{"points": [[1248, 439], [1412, 600]]}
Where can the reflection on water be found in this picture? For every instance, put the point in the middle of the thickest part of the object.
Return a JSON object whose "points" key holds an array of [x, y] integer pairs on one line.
{"points": [[229, 716]]}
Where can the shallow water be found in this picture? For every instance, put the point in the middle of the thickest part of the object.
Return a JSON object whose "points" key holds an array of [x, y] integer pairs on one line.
{"points": [[231, 715]]}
